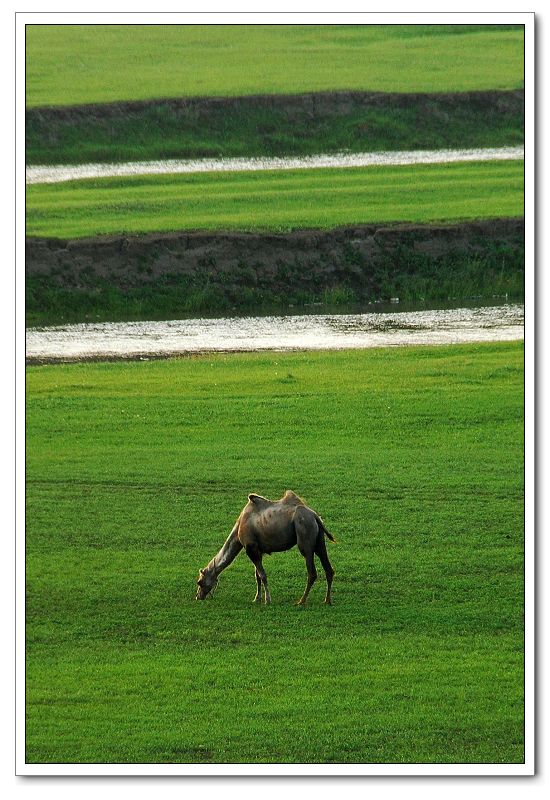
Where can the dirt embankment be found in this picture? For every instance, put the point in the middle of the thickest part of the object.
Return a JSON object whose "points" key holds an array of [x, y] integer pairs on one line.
{"points": [[352, 257], [294, 106]]}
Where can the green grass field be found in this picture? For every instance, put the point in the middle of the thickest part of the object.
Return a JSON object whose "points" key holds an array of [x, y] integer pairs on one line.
{"points": [[276, 201], [135, 475], [72, 64]]}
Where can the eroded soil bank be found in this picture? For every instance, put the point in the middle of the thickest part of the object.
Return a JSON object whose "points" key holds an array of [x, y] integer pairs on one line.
{"points": [[273, 125], [117, 277]]}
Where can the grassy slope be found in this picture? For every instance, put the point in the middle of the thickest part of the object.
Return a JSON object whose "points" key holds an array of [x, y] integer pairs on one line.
{"points": [[258, 127], [135, 475], [98, 63], [276, 200]]}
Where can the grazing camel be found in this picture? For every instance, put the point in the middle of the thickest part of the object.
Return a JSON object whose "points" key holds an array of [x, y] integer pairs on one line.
{"points": [[270, 526]]}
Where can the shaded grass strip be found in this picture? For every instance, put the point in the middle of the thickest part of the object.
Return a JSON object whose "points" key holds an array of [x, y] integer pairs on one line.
{"points": [[273, 126]]}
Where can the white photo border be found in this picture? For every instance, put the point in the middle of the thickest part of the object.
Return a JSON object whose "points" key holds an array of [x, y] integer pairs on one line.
{"points": [[247, 18]]}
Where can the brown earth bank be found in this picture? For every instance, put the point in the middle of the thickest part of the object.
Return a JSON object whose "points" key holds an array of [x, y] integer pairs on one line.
{"points": [[220, 270], [337, 103]]}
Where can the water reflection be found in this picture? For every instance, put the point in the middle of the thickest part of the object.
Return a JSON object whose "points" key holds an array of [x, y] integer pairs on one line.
{"points": [[437, 320], [299, 332]]}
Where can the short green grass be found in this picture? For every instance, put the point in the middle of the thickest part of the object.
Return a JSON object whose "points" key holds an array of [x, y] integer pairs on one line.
{"points": [[72, 64], [276, 200], [135, 474]]}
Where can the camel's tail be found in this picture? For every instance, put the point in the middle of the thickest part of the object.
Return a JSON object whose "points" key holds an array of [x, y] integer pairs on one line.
{"points": [[323, 529]]}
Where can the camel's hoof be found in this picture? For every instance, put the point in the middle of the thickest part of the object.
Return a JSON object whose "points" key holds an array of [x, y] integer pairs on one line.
{"points": [[328, 602], [300, 603]]}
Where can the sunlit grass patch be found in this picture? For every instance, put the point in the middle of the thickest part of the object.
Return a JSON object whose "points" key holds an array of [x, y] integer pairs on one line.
{"points": [[135, 473], [276, 201], [69, 64]]}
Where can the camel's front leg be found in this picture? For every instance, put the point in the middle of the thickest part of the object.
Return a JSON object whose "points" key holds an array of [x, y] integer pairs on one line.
{"points": [[255, 556]]}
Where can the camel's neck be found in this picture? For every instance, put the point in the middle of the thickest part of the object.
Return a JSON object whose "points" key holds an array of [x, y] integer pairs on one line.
{"points": [[230, 549]]}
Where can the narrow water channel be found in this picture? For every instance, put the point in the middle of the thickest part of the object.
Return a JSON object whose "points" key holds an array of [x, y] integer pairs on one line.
{"points": [[60, 173], [154, 339]]}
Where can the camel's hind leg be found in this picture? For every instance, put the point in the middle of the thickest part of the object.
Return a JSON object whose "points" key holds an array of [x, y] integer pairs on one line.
{"points": [[306, 535], [321, 550], [311, 578]]}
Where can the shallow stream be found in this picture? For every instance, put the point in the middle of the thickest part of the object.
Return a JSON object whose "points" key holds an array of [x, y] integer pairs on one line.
{"points": [[60, 173], [154, 339]]}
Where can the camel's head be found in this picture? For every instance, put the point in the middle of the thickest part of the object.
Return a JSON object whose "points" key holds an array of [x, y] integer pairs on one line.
{"points": [[205, 584]]}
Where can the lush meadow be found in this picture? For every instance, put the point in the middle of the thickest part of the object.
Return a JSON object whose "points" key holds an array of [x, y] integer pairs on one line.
{"points": [[276, 200], [135, 474], [210, 60]]}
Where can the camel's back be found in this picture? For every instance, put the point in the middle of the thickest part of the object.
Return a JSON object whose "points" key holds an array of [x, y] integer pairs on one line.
{"points": [[269, 523]]}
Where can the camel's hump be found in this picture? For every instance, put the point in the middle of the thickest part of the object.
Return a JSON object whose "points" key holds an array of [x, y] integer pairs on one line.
{"points": [[257, 498], [291, 497]]}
